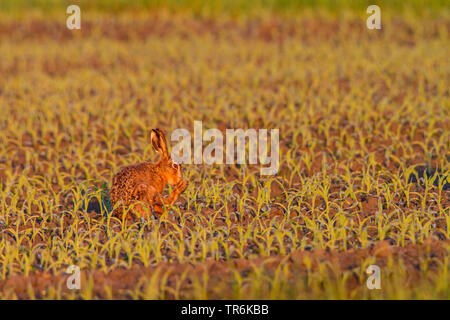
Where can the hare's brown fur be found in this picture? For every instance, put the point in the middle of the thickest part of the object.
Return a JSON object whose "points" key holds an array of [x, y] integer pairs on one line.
{"points": [[141, 185]]}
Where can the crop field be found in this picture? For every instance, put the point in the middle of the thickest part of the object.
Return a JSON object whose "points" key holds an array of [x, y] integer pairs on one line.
{"points": [[364, 140]]}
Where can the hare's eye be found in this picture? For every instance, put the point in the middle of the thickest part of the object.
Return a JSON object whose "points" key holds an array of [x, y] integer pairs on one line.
{"points": [[175, 165]]}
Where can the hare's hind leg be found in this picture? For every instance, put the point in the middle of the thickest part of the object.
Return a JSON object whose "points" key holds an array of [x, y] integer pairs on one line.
{"points": [[150, 198]]}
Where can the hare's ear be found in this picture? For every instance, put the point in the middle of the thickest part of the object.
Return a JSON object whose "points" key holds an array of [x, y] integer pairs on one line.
{"points": [[159, 143]]}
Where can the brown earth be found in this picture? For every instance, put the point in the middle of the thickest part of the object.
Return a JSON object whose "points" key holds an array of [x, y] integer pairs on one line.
{"points": [[121, 281]]}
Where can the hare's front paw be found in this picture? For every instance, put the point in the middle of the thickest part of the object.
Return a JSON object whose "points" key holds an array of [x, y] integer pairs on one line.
{"points": [[181, 186]]}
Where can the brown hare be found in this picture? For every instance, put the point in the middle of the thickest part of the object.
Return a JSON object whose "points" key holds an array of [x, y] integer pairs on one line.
{"points": [[141, 185]]}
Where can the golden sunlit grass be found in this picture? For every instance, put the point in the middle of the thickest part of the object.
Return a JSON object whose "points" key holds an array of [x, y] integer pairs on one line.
{"points": [[364, 167]]}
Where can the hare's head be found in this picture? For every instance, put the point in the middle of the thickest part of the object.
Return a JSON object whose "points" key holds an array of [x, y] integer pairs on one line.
{"points": [[169, 170]]}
